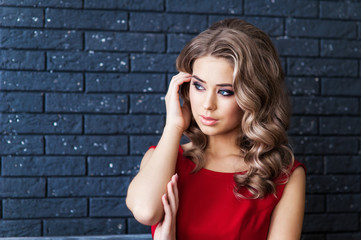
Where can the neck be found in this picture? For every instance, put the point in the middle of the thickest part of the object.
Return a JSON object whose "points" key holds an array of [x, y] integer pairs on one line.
{"points": [[223, 154], [222, 145]]}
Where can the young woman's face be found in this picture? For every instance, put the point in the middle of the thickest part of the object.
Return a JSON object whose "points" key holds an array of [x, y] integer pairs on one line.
{"points": [[212, 98]]}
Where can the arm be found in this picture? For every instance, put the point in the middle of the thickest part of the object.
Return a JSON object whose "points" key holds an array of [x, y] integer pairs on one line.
{"points": [[287, 217], [158, 165]]}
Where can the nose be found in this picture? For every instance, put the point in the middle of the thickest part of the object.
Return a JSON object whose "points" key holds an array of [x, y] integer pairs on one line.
{"points": [[210, 101]]}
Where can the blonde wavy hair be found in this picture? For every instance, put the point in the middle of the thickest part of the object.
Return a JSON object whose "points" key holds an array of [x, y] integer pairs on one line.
{"points": [[258, 82]]}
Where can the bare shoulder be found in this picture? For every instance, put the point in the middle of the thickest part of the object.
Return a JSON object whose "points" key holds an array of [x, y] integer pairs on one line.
{"points": [[287, 217], [296, 185], [297, 177]]}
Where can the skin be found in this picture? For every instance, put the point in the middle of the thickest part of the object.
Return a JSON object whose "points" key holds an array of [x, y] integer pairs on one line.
{"points": [[166, 229], [148, 186], [211, 96]]}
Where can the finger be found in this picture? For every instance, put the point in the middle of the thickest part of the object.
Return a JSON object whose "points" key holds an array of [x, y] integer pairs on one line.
{"points": [[175, 190], [173, 90], [178, 80], [171, 197], [167, 211]]}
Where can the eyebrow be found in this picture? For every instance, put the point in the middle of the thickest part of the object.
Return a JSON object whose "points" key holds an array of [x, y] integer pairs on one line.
{"points": [[220, 85]]}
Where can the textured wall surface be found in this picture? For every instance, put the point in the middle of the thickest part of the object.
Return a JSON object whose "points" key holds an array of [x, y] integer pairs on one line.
{"points": [[82, 98]]}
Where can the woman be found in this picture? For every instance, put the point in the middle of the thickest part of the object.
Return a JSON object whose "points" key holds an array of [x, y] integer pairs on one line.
{"points": [[237, 177]]}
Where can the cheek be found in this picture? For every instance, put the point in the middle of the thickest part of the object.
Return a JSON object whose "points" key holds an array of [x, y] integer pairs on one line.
{"points": [[194, 97], [234, 110]]}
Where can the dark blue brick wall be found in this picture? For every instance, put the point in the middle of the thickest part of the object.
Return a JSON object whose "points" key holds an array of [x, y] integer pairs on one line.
{"points": [[82, 85]]}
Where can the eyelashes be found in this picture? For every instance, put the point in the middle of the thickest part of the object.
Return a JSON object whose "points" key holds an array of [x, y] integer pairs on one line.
{"points": [[198, 86], [226, 92], [223, 92]]}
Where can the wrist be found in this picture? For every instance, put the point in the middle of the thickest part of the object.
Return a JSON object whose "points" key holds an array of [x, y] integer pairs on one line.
{"points": [[174, 130]]}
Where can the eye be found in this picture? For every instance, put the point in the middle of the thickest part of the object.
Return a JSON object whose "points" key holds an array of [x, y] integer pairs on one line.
{"points": [[198, 86], [225, 92]]}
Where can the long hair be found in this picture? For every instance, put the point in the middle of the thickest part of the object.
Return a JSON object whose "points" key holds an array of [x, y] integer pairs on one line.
{"points": [[258, 82]]}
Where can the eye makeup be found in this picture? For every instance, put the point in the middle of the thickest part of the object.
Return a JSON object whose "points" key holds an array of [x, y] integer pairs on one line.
{"points": [[224, 92]]}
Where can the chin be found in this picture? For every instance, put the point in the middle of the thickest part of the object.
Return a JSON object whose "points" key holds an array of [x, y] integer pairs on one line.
{"points": [[210, 131]]}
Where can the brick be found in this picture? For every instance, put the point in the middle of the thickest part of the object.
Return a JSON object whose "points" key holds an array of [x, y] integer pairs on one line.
{"points": [[21, 102], [38, 39], [21, 17], [272, 26], [330, 223], [341, 86], [296, 8], [160, 22], [315, 204], [88, 186], [343, 164], [108, 207], [41, 81], [151, 103], [156, 5], [342, 236], [48, 3], [21, 187], [116, 41], [333, 184], [83, 227], [44, 208], [104, 103], [322, 67], [133, 82], [340, 126], [22, 60], [113, 166], [20, 228], [176, 42], [84, 19], [296, 47], [325, 145], [87, 61], [41, 123], [86, 145], [325, 105], [344, 203], [312, 236], [314, 164], [320, 28], [153, 62], [140, 144], [204, 6], [303, 85], [123, 124], [43, 166], [341, 48], [21, 144], [340, 10], [135, 227], [303, 126]]}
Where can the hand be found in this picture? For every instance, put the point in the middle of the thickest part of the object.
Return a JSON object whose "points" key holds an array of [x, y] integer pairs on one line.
{"points": [[166, 230], [177, 116]]}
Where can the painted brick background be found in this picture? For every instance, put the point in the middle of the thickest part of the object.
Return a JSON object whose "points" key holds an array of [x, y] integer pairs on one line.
{"points": [[82, 98]]}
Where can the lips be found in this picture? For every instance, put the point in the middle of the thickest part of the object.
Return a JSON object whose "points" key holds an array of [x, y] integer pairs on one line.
{"points": [[208, 121]]}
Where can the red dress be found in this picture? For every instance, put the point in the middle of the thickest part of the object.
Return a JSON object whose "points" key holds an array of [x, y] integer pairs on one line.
{"points": [[208, 208]]}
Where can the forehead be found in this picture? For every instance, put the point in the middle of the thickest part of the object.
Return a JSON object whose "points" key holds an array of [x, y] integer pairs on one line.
{"points": [[213, 69]]}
